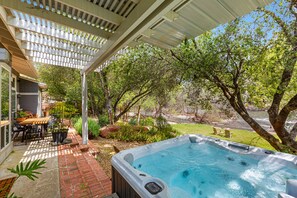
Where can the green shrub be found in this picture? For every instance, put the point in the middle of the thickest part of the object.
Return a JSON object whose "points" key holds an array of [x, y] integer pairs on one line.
{"points": [[63, 110], [103, 120], [93, 127], [136, 133], [133, 121], [149, 121], [129, 133], [74, 120], [78, 125], [161, 123]]}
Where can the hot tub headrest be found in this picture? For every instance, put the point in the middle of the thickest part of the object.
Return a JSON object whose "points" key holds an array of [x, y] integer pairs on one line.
{"points": [[129, 158], [292, 187]]}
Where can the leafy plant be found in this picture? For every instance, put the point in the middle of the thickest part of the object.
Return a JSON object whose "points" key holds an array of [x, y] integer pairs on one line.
{"points": [[149, 121], [74, 119], [93, 127], [161, 123], [28, 170], [22, 114], [103, 120], [133, 121]]}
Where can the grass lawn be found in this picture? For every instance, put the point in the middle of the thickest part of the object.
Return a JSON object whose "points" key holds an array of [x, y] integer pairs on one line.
{"points": [[241, 136]]}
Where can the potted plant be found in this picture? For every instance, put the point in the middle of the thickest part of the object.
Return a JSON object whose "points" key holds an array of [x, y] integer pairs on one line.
{"points": [[21, 116], [59, 133]]}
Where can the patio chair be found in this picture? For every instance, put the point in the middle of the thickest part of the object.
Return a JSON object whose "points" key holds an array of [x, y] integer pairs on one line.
{"points": [[228, 133], [33, 132], [216, 130], [16, 129]]}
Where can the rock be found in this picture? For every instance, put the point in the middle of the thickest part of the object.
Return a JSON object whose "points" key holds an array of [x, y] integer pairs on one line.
{"points": [[141, 128], [105, 131], [116, 149]]}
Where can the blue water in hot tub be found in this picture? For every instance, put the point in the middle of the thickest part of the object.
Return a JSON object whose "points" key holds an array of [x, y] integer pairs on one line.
{"points": [[205, 170]]}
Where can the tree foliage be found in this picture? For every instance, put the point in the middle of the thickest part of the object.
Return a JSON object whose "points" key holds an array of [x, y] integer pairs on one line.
{"points": [[250, 69], [144, 71], [64, 84]]}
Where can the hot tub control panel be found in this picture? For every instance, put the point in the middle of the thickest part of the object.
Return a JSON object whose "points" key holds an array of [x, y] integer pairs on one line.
{"points": [[153, 188]]}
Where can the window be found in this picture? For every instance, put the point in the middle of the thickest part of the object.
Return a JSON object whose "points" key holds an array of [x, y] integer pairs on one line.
{"points": [[5, 105]]}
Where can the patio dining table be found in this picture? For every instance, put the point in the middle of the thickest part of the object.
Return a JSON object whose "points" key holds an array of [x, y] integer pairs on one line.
{"points": [[30, 122], [38, 121]]}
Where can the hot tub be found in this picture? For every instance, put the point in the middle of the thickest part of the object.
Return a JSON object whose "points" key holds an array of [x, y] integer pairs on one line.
{"points": [[198, 166]]}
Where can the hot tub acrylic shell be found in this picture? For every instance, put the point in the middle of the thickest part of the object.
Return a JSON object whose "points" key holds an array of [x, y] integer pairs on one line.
{"points": [[129, 182]]}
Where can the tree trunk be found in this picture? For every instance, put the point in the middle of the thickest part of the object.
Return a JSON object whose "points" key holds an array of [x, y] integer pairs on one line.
{"points": [[138, 114], [107, 96], [236, 102], [109, 110], [293, 132]]}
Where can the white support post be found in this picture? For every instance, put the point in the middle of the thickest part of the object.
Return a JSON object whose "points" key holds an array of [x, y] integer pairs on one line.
{"points": [[84, 108]]}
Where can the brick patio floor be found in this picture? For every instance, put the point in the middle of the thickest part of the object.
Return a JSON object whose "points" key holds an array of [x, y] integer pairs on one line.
{"points": [[80, 173]]}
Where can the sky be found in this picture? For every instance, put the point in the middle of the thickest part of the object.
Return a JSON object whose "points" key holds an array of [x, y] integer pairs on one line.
{"points": [[250, 18]]}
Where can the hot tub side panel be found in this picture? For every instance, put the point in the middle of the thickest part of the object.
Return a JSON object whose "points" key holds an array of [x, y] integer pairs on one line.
{"points": [[121, 186]]}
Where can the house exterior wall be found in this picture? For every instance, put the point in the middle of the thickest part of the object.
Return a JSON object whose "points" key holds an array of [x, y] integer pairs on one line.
{"points": [[29, 103], [29, 96], [26, 86]]}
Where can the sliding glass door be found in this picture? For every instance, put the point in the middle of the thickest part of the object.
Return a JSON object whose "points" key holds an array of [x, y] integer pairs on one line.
{"points": [[5, 105]]}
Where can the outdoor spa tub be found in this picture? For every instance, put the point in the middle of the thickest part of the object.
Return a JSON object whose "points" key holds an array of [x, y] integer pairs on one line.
{"points": [[199, 166]]}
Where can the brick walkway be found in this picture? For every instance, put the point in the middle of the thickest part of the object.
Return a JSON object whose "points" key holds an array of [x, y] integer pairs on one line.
{"points": [[80, 173]]}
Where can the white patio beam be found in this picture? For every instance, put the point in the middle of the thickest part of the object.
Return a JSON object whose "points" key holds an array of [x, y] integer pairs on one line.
{"points": [[156, 42], [33, 40], [60, 53], [60, 46], [54, 33], [94, 10], [3, 16], [51, 16], [145, 14], [56, 63], [57, 58]]}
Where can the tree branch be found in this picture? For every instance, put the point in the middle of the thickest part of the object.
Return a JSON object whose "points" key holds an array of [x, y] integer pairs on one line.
{"points": [[179, 59], [280, 22], [286, 110], [132, 102]]}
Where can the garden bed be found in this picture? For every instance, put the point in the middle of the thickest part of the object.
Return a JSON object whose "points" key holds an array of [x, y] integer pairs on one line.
{"points": [[107, 149], [5, 186]]}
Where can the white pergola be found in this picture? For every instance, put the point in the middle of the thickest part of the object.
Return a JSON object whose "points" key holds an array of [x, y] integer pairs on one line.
{"points": [[85, 34]]}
